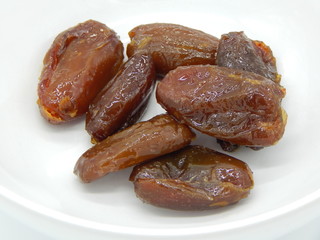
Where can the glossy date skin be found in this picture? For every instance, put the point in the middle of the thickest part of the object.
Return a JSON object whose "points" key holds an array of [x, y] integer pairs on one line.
{"points": [[193, 178], [123, 98], [241, 107], [79, 63], [173, 45], [138, 143], [237, 51]]}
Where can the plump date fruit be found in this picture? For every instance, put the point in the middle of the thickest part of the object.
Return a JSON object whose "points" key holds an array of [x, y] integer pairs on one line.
{"points": [[237, 51], [193, 178], [122, 99], [232, 105], [138, 143], [173, 45], [79, 63]]}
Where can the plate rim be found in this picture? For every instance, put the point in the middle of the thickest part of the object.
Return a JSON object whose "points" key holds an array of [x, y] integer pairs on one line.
{"points": [[56, 215]]}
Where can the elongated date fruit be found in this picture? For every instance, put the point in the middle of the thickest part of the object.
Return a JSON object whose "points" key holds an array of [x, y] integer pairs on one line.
{"points": [[173, 45], [138, 143], [193, 178], [237, 51], [122, 98], [232, 105], [78, 65]]}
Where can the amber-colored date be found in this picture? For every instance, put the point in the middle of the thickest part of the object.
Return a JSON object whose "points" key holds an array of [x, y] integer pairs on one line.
{"points": [[232, 105], [193, 178], [237, 51], [173, 45], [79, 63], [122, 99], [138, 143]]}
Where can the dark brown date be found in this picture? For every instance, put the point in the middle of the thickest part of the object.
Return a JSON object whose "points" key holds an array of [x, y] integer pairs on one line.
{"points": [[122, 98], [138, 143], [237, 51], [173, 45], [232, 105], [193, 178], [227, 146], [79, 63]]}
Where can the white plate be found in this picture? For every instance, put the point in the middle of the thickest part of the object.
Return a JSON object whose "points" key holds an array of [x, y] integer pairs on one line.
{"points": [[37, 159]]}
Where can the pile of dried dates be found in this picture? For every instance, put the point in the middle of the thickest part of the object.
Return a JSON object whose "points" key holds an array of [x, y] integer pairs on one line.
{"points": [[227, 88]]}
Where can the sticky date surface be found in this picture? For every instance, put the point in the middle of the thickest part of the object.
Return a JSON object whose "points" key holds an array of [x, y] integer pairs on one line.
{"points": [[232, 105], [193, 178], [79, 63], [173, 45], [140, 142], [237, 51], [122, 99]]}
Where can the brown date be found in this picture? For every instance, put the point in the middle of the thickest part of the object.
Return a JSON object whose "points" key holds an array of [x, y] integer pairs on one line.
{"points": [[173, 45], [232, 105], [135, 144], [193, 178], [78, 65], [122, 99], [227, 146], [237, 51]]}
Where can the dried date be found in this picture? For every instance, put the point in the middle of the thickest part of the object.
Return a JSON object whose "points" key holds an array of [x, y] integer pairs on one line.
{"points": [[193, 178], [237, 51], [232, 105], [79, 63], [138, 143], [173, 45], [123, 98]]}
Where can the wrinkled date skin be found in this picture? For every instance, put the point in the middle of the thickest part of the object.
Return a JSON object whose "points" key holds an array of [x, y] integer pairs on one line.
{"points": [[193, 178], [78, 65], [138, 143], [237, 51], [232, 105], [173, 45], [122, 99]]}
